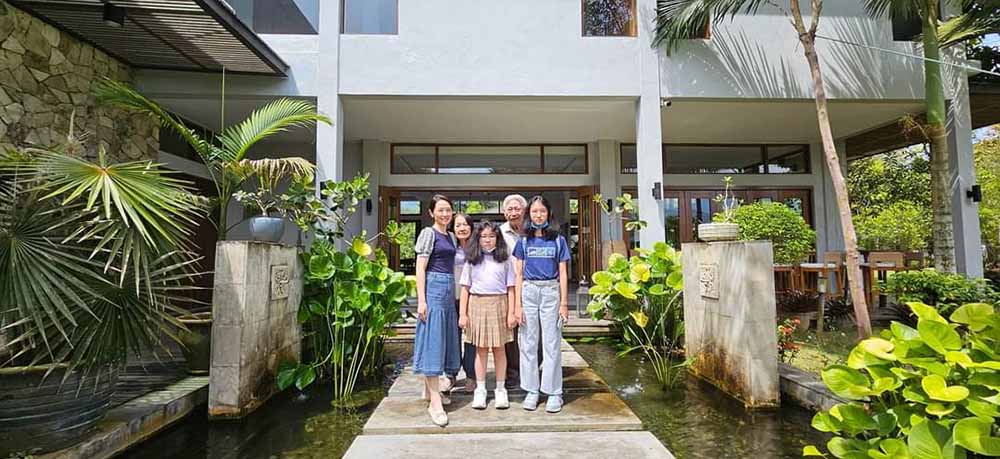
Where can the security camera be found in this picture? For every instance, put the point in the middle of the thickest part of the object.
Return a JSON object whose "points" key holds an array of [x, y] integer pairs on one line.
{"points": [[666, 103]]}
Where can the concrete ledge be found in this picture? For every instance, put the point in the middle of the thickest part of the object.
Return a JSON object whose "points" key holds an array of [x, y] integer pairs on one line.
{"points": [[547, 445], [806, 389], [139, 419]]}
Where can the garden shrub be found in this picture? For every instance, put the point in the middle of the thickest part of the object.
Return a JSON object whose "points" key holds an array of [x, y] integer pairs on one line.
{"points": [[796, 301], [945, 291], [792, 237], [901, 226], [927, 392]]}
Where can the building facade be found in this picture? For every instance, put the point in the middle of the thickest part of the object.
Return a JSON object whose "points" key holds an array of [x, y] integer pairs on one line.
{"points": [[568, 97]]}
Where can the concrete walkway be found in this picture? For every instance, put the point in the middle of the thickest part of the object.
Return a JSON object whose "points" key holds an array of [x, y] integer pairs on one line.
{"points": [[594, 423]]}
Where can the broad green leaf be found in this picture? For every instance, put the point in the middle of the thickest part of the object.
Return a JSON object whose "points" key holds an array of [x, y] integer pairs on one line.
{"points": [[977, 316], [617, 263], [600, 290], [938, 389], [928, 440], [904, 332], [812, 451], [658, 289], [879, 348], [824, 422], [960, 358], [982, 408], [854, 418], [304, 377], [286, 377], [321, 267], [881, 385], [939, 336], [627, 289], [640, 318], [890, 448], [940, 409], [675, 280], [925, 312], [975, 435], [982, 378], [639, 273], [885, 422], [848, 448], [847, 382], [602, 278], [861, 359]]}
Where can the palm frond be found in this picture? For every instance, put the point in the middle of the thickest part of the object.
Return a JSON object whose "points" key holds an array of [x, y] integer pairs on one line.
{"points": [[271, 171], [273, 118], [678, 20], [979, 17], [122, 95]]}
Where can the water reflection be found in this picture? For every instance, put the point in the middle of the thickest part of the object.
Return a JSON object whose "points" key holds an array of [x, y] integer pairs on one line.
{"points": [[697, 421]]}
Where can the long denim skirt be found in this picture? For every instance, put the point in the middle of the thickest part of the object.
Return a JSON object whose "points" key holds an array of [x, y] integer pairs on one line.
{"points": [[436, 348]]}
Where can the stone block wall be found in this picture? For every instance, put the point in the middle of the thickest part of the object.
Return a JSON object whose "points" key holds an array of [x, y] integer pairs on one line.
{"points": [[258, 287], [729, 318], [46, 75]]}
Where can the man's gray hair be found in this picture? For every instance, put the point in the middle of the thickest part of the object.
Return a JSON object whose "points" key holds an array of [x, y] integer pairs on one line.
{"points": [[514, 197]]}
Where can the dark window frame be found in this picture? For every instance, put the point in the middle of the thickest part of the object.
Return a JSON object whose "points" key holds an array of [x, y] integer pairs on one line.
{"points": [[633, 30], [766, 158], [541, 159]]}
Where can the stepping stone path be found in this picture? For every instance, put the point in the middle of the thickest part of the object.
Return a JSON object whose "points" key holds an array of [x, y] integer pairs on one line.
{"points": [[594, 423]]}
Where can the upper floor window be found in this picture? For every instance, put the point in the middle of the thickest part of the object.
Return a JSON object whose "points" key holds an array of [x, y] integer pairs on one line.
{"points": [[377, 17], [725, 159], [292, 17], [609, 18], [488, 159]]}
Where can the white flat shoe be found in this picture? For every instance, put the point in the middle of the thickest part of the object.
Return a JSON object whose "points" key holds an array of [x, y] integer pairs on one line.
{"points": [[444, 398], [439, 418]]}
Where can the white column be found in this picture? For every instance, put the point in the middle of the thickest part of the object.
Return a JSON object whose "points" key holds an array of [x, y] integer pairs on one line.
{"points": [[648, 136], [372, 163], [329, 139], [965, 212], [607, 151]]}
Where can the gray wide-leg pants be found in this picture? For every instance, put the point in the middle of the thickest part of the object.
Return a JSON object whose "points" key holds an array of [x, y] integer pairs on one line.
{"points": [[542, 327]]}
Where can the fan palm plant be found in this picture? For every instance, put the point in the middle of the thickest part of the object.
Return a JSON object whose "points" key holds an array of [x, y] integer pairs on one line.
{"points": [[225, 155], [94, 259], [677, 20], [979, 17]]}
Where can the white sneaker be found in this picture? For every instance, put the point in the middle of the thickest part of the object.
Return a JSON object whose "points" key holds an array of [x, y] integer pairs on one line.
{"points": [[502, 403], [479, 399]]}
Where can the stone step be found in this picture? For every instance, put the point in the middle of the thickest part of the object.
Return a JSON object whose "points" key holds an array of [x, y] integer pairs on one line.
{"points": [[543, 445], [575, 379], [601, 411]]}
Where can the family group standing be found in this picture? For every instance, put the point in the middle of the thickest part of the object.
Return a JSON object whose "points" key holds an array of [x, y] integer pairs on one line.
{"points": [[511, 286]]}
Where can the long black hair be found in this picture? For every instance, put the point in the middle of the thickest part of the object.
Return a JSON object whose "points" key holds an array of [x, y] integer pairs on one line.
{"points": [[474, 254], [551, 232]]}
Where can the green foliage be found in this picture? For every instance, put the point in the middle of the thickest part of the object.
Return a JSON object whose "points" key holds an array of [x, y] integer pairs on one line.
{"points": [[878, 182], [987, 158], [942, 290], [642, 295], [350, 297], [225, 154], [900, 226], [93, 256], [791, 236], [625, 208], [929, 392]]}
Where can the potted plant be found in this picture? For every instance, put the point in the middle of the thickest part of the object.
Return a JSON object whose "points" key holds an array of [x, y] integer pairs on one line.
{"points": [[269, 173], [93, 267], [723, 227]]}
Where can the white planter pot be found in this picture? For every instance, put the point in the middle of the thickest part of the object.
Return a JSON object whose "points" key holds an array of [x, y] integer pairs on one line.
{"points": [[713, 232]]}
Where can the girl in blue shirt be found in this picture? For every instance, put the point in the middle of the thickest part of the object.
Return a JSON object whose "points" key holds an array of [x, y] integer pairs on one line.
{"points": [[541, 304]]}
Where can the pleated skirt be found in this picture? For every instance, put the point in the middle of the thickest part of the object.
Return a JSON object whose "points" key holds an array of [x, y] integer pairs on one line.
{"points": [[488, 321]]}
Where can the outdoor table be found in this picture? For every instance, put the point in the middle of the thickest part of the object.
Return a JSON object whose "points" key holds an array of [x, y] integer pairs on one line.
{"points": [[871, 274], [827, 270]]}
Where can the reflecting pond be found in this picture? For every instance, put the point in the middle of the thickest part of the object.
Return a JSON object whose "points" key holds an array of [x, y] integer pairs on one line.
{"points": [[694, 420]]}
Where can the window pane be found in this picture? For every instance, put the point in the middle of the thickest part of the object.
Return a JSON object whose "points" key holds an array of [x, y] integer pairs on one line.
{"points": [[787, 159], [609, 18], [716, 159], [370, 16], [413, 159], [565, 159], [672, 221], [285, 16], [574, 206], [490, 159], [409, 207], [477, 207], [629, 163], [795, 203], [701, 212]]}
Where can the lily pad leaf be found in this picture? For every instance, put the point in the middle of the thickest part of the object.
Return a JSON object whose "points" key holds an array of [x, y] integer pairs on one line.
{"points": [[938, 389]]}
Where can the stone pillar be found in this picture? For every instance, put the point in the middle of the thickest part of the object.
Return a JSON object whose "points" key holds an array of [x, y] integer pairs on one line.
{"points": [[729, 318], [258, 287], [965, 212], [648, 135]]}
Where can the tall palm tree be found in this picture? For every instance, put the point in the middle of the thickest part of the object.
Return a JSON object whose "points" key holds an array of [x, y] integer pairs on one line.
{"points": [[979, 17], [225, 155], [678, 20]]}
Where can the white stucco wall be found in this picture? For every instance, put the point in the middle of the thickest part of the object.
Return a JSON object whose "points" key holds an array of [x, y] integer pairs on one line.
{"points": [[760, 56], [485, 47]]}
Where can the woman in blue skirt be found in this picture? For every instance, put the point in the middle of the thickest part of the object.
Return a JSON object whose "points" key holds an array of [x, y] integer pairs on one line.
{"points": [[436, 350]]}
